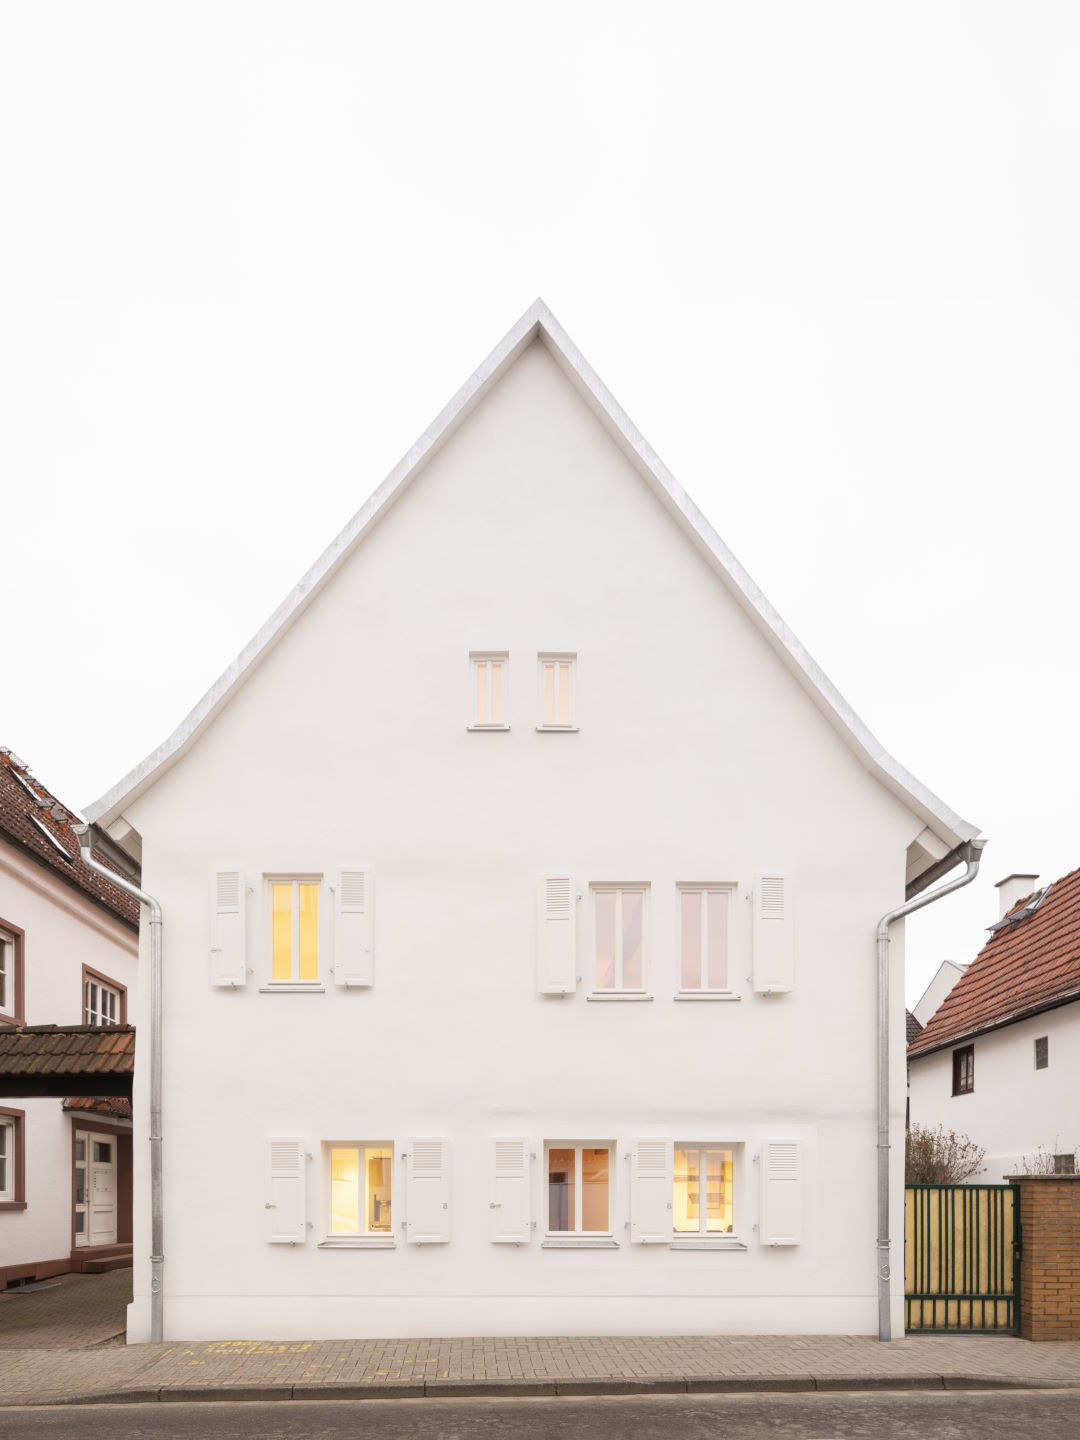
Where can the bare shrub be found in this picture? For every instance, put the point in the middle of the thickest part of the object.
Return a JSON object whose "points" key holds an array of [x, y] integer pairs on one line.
{"points": [[1050, 1162], [940, 1157]]}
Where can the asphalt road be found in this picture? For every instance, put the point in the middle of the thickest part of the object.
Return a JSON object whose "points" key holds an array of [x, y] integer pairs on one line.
{"points": [[1052, 1415]]}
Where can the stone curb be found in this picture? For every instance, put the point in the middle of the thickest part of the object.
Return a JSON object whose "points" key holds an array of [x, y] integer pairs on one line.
{"points": [[509, 1388]]}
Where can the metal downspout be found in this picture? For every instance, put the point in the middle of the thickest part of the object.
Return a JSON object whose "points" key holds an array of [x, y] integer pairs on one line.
{"points": [[157, 1258], [971, 853]]}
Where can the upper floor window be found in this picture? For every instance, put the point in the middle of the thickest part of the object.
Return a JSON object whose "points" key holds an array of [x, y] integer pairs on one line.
{"points": [[11, 974], [619, 938], [579, 1189], [294, 930], [703, 1190], [1042, 1052], [558, 692], [704, 924], [104, 1002], [489, 691], [963, 1070]]}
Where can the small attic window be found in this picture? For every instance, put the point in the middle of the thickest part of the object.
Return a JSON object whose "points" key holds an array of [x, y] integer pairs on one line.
{"points": [[53, 841], [1007, 921]]}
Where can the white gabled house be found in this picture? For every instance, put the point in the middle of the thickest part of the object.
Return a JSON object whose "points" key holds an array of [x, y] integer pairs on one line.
{"points": [[520, 884]]}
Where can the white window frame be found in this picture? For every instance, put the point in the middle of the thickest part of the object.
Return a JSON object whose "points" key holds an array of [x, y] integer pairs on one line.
{"points": [[556, 658], [363, 1239], [7, 971], [8, 1151], [295, 878], [703, 888], [703, 1237], [618, 889], [606, 1238], [488, 658], [92, 1016], [82, 1237]]}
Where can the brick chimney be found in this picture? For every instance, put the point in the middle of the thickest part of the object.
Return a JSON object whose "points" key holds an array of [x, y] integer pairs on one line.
{"points": [[1014, 888]]}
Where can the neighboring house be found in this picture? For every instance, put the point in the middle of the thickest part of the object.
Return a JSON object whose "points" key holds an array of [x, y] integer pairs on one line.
{"points": [[945, 977], [913, 1028], [68, 956], [999, 1061], [520, 886]]}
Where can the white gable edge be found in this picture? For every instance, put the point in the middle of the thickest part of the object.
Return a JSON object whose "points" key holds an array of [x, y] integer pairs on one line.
{"points": [[539, 322]]}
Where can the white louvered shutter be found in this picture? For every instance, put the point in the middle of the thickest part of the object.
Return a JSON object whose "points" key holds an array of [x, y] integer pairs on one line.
{"points": [[774, 935], [781, 1193], [354, 938], [228, 912], [285, 1210], [427, 1200], [557, 942], [652, 1190], [508, 1209]]}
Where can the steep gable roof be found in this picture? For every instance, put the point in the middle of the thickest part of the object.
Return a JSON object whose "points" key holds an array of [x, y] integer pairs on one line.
{"points": [[913, 1026], [1030, 963], [538, 323]]}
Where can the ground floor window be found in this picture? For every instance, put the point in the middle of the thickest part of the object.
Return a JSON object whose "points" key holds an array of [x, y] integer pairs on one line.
{"points": [[579, 1189], [361, 1184], [12, 1149], [703, 1201]]}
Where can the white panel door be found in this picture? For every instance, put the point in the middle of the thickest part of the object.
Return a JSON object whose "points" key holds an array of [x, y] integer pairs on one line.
{"points": [[100, 1189]]}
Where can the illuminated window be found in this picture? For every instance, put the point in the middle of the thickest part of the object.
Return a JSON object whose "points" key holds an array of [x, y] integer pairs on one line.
{"points": [[102, 1002], [294, 931], [558, 686], [704, 926], [703, 1190], [359, 1185], [579, 1189], [963, 1070], [489, 697], [619, 938]]}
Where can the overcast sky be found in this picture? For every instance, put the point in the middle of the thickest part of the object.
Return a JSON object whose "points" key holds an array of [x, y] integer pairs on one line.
{"points": [[826, 255]]}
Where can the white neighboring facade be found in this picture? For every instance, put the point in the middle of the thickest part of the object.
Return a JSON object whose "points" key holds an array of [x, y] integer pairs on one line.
{"points": [[520, 883], [945, 977], [65, 959]]}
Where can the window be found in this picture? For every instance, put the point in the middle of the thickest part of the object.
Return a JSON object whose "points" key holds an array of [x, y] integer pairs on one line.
{"points": [[703, 1190], [619, 939], [579, 1189], [12, 1159], [104, 1001], [359, 1185], [558, 687], [704, 923], [1042, 1052], [11, 974], [294, 931], [1065, 1164], [489, 692], [963, 1070]]}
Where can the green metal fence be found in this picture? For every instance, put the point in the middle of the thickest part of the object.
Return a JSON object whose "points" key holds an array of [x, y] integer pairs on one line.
{"points": [[961, 1258]]}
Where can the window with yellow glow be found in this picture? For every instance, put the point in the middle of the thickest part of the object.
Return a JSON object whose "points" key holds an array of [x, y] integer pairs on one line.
{"points": [[489, 697], [294, 930], [703, 1201], [361, 1179], [557, 697], [579, 1189]]}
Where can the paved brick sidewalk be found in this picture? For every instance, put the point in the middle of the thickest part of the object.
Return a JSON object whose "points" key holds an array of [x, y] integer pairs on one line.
{"points": [[67, 1313], [307, 1370]]}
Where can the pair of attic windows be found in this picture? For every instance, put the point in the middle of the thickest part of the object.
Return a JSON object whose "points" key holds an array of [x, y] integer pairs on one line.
{"points": [[489, 691]]}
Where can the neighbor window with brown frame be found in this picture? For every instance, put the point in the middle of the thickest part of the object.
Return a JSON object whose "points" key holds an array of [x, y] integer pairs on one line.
{"points": [[963, 1070], [11, 974], [104, 1000], [1042, 1052], [12, 1159]]}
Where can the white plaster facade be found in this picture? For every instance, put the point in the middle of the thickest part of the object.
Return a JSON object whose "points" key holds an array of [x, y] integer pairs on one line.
{"points": [[945, 977], [63, 930], [703, 753], [1015, 1109]]}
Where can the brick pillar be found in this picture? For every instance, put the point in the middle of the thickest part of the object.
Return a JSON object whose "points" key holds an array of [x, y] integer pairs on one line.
{"points": [[1049, 1210]]}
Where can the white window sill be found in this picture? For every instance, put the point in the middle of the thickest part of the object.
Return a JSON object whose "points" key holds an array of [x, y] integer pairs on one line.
{"points": [[557, 729], [706, 995], [707, 1242], [487, 727], [605, 995], [293, 987], [358, 1242], [580, 1242]]}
